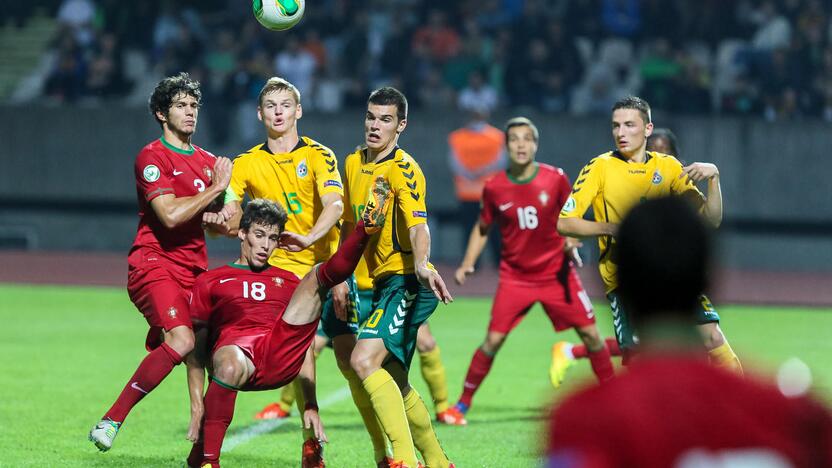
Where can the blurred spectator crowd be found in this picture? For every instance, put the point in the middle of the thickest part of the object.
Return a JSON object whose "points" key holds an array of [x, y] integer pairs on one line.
{"points": [[752, 57]]}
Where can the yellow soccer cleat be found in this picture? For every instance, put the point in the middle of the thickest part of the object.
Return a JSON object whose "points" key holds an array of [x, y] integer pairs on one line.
{"points": [[375, 211], [562, 360]]}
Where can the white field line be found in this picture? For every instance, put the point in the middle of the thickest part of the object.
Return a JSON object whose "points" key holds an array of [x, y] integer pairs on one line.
{"points": [[258, 429]]}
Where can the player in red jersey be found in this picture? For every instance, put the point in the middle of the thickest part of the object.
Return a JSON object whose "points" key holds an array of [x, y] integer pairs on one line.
{"points": [[672, 408], [261, 321], [535, 261], [175, 183]]}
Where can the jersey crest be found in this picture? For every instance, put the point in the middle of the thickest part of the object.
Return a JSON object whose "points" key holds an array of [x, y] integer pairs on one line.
{"points": [[657, 177]]}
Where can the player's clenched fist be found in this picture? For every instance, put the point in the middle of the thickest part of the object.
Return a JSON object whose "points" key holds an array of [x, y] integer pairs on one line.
{"points": [[700, 171], [222, 172], [462, 273]]}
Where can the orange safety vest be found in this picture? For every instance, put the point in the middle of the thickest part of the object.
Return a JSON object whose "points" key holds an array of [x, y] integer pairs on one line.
{"points": [[475, 150]]}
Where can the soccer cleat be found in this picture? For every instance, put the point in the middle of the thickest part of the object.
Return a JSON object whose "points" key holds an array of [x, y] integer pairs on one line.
{"points": [[452, 417], [462, 407], [272, 411], [562, 360], [375, 211], [103, 434], [385, 463], [312, 454]]}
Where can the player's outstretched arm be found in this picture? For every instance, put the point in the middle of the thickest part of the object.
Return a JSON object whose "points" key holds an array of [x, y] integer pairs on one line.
{"points": [[173, 211], [698, 172], [427, 275], [476, 243], [333, 208], [306, 380], [195, 362], [580, 228]]}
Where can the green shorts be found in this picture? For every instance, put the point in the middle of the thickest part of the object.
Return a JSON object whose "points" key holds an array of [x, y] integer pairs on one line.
{"points": [[331, 326], [400, 304], [626, 335]]}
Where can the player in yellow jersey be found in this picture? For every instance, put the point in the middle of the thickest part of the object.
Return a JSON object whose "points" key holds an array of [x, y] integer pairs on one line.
{"points": [[614, 182], [302, 175], [406, 287]]}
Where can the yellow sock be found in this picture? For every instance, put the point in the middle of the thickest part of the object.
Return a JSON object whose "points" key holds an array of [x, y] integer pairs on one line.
{"points": [[389, 408], [433, 371], [301, 404], [723, 356], [365, 408], [287, 397], [423, 436]]}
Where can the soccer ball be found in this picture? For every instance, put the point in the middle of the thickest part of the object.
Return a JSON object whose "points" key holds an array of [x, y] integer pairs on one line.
{"points": [[278, 15]]}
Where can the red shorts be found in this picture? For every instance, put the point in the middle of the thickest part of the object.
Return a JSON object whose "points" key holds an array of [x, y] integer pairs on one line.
{"points": [[565, 302], [277, 354], [162, 299]]}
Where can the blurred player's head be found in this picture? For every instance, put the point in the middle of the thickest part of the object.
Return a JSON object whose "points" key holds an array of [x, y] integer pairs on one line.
{"points": [[175, 104], [386, 118], [278, 106], [664, 253], [260, 227], [664, 141], [631, 125], [521, 140]]}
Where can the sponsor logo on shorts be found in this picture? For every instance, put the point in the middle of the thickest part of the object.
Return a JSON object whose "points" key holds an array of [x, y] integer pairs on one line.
{"points": [[278, 282], [302, 169], [569, 206], [333, 183], [151, 173], [176, 173], [657, 178], [420, 214], [371, 332], [172, 312]]}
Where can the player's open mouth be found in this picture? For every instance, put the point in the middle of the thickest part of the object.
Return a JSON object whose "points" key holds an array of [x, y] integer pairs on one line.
{"points": [[373, 137]]}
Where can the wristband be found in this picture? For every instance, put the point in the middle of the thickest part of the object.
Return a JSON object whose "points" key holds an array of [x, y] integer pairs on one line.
{"points": [[311, 406]]}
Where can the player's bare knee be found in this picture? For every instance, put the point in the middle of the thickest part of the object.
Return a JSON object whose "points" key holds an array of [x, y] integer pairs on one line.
{"points": [[363, 365], [181, 339], [591, 338], [493, 342], [229, 371], [425, 342], [712, 336]]}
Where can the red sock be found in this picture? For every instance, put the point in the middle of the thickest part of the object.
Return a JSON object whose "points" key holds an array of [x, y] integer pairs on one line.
{"points": [[342, 264], [602, 365], [480, 365], [219, 410], [580, 351], [152, 371]]}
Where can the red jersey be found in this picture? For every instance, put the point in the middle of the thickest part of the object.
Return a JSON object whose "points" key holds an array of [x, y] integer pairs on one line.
{"points": [[161, 169], [527, 214], [235, 297], [681, 411]]}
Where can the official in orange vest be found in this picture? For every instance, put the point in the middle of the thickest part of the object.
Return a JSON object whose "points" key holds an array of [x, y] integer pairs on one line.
{"points": [[477, 151]]}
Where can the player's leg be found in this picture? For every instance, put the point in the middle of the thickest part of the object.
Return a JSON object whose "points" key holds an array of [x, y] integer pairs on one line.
{"points": [[568, 306], [511, 303], [719, 350], [625, 334], [433, 371], [165, 306], [231, 370]]}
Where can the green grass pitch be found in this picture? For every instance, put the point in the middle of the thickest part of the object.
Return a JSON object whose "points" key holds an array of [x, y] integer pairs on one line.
{"points": [[67, 352]]}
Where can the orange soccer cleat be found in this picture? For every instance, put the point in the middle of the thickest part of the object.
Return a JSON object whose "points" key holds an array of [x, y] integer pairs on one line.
{"points": [[452, 417], [375, 211], [272, 411], [312, 455]]}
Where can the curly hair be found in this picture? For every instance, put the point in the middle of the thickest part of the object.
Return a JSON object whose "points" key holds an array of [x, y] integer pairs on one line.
{"points": [[263, 212], [167, 90]]}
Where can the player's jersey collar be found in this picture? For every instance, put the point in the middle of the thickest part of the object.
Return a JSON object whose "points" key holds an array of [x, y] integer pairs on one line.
{"points": [[617, 154], [247, 268], [389, 157], [301, 144], [526, 180], [175, 149]]}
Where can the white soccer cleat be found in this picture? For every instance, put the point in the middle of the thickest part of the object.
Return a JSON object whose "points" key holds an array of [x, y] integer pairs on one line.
{"points": [[103, 434]]}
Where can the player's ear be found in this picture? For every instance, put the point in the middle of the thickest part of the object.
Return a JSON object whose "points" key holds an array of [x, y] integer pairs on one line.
{"points": [[162, 117], [648, 129], [241, 234], [299, 113], [401, 126], [259, 113]]}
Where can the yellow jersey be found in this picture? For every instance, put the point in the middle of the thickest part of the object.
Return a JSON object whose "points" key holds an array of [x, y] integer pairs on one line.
{"points": [[297, 180], [612, 186], [389, 252]]}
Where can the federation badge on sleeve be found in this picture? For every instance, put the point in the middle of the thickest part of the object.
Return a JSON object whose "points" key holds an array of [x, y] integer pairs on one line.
{"points": [[569, 206], [151, 173], [172, 312]]}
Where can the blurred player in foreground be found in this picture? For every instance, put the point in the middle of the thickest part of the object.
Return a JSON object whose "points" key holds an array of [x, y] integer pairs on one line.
{"points": [[262, 319], [175, 182], [536, 263], [672, 408]]}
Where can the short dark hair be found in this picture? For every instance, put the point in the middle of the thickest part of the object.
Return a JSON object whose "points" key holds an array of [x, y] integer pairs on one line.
{"points": [[667, 134], [167, 90], [521, 122], [637, 103], [263, 212], [390, 96], [664, 255]]}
